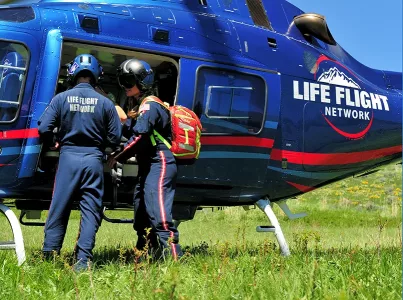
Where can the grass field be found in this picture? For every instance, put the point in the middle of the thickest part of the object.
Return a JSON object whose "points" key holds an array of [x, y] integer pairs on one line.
{"points": [[348, 247]]}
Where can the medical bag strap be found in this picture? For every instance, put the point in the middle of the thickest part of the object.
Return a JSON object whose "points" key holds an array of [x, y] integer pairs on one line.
{"points": [[162, 139], [155, 133]]}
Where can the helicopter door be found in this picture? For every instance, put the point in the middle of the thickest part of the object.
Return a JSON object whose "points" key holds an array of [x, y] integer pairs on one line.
{"points": [[231, 104], [18, 61]]}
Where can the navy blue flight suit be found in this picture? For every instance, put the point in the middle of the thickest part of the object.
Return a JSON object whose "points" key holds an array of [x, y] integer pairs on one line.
{"points": [[155, 190], [87, 123]]}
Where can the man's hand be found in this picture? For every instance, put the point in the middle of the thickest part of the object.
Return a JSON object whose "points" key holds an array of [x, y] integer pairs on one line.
{"points": [[111, 162], [133, 114]]}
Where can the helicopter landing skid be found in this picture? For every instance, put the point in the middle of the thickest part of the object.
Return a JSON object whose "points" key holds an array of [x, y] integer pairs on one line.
{"points": [[18, 242], [266, 206]]}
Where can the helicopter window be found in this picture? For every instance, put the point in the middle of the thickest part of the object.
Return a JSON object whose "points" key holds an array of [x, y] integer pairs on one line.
{"points": [[17, 14], [222, 102], [258, 13], [230, 102], [13, 67]]}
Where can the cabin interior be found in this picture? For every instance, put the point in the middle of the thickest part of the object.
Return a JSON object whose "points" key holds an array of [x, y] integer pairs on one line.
{"points": [[165, 70]]}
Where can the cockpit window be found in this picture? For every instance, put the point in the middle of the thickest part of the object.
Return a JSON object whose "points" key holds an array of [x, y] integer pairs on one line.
{"points": [[13, 66], [258, 13], [17, 14]]}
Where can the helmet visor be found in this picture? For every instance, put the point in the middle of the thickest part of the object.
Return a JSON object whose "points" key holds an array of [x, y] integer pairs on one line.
{"points": [[127, 81]]}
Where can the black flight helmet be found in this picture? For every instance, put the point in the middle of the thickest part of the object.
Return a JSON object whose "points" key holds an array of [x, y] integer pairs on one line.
{"points": [[135, 72]]}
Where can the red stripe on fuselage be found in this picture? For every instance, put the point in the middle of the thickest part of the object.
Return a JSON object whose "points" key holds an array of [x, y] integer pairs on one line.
{"points": [[324, 159], [19, 134], [353, 136], [237, 141], [302, 188]]}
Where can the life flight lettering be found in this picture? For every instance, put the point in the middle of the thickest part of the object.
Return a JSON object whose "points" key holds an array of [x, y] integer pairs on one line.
{"points": [[82, 105], [310, 91]]}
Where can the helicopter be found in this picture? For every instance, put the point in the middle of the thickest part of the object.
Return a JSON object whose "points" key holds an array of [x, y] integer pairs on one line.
{"points": [[284, 108]]}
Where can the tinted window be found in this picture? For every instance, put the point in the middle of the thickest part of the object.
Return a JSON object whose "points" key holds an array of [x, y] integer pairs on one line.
{"points": [[13, 65], [230, 102], [17, 14]]}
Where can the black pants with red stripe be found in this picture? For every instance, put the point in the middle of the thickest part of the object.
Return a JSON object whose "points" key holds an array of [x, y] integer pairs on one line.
{"points": [[80, 176], [153, 200]]}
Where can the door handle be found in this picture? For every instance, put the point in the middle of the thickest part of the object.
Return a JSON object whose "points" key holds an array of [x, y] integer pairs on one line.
{"points": [[272, 42]]}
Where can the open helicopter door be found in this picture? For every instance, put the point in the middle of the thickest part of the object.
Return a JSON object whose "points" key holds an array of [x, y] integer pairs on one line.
{"points": [[45, 90], [19, 54], [231, 103]]}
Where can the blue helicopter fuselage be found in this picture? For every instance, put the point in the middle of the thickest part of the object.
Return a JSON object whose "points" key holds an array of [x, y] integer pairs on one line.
{"points": [[282, 113]]}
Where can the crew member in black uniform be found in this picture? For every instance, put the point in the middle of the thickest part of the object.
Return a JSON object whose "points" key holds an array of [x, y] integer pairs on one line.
{"points": [[154, 193], [87, 123]]}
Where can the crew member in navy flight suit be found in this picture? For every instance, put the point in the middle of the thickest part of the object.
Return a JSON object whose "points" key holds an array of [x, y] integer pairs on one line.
{"points": [[154, 193], [87, 123]]}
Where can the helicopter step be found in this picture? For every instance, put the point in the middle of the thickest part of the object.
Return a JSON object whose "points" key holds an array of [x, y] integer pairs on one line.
{"points": [[266, 206], [18, 242], [265, 229], [7, 245]]}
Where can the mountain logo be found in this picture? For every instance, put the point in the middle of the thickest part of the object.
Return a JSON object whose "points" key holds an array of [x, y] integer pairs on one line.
{"points": [[334, 76]]}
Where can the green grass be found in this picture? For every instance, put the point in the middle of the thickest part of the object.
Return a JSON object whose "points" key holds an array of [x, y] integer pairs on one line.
{"points": [[348, 247]]}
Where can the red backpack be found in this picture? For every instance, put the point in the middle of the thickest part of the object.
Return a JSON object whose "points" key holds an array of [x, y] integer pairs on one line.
{"points": [[186, 131]]}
